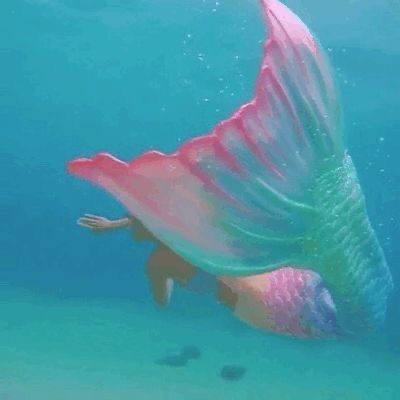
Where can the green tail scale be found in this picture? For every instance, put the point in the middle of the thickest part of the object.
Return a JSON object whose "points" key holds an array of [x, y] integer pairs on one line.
{"points": [[342, 246]]}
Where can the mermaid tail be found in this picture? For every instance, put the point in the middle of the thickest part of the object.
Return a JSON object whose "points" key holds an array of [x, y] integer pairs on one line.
{"points": [[241, 195], [288, 300], [268, 187]]}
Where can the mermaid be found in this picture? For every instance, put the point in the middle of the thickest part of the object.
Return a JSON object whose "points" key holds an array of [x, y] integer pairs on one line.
{"points": [[250, 298], [268, 203]]}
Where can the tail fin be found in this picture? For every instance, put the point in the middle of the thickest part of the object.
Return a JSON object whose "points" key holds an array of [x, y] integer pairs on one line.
{"points": [[239, 200]]}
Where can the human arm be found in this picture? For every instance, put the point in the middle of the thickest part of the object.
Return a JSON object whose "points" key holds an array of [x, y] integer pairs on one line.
{"points": [[100, 224]]}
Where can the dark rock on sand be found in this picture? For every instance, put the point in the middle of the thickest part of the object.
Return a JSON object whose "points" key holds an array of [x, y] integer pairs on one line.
{"points": [[173, 361], [232, 372], [191, 352]]}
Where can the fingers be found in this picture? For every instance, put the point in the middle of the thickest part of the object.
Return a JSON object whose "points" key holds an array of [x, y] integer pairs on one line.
{"points": [[89, 223], [94, 228], [90, 219], [93, 217], [85, 224], [94, 222]]}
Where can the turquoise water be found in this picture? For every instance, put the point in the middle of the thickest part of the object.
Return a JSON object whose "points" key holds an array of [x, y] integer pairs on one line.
{"points": [[78, 77]]}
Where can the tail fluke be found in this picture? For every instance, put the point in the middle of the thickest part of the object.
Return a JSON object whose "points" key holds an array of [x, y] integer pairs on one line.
{"points": [[238, 200]]}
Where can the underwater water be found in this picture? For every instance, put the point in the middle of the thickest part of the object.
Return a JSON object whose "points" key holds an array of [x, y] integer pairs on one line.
{"points": [[82, 76]]}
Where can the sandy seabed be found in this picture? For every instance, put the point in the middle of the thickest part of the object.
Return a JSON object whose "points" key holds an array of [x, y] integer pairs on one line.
{"points": [[52, 349]]}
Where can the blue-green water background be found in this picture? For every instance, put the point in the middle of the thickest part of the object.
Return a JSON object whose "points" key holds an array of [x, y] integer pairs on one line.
{"points": [[79, 77]]}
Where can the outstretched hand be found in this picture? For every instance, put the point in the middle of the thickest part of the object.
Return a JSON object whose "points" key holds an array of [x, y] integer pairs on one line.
{"points": [[95, 223]]}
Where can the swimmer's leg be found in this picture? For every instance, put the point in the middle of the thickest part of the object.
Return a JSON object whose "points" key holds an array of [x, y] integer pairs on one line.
{"points": [[161, 286], [226, 295], [163, 268]]}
